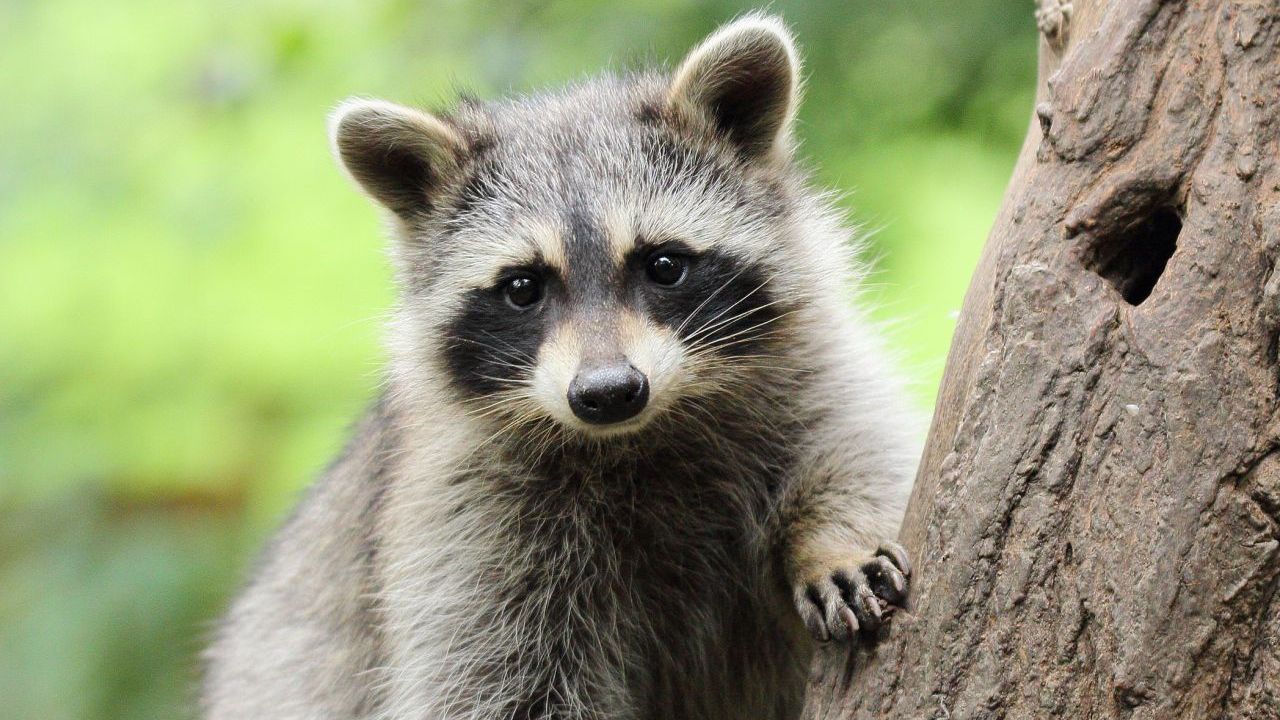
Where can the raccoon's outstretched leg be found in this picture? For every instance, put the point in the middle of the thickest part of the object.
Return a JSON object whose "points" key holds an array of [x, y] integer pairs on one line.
{"points": [[842, 572], [844, 594]]}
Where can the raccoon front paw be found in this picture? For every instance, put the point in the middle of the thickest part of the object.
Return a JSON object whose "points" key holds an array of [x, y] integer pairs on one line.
{"points": [[838, 602]]}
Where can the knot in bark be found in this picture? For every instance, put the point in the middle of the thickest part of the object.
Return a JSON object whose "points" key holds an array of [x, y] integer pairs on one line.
{"points": [[1053, 17]]}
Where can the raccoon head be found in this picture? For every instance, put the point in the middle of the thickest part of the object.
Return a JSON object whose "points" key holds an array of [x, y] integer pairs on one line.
{"points": [[604, 256]]}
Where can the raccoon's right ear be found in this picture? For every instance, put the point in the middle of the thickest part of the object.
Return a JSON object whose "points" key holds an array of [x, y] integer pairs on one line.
{"points": [[745, 78], [398, 155]]}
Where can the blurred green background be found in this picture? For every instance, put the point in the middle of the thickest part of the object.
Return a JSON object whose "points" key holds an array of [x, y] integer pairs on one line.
{"points": [[191, 294]]}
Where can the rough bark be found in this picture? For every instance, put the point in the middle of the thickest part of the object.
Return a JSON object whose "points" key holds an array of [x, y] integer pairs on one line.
{"points": [[1096, 521]]}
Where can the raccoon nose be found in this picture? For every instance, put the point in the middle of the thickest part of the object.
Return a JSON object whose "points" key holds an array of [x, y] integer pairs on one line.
{"points": [[604, 394]]}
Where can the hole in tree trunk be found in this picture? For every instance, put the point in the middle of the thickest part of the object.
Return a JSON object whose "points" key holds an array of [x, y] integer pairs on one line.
{"points": [[1133, 260]]}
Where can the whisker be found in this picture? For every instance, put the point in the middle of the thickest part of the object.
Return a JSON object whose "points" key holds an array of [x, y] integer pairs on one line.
{"points": [[735, 304], [515, 350], [758, 325], [517, 359], [735, 318], [708, 299]]}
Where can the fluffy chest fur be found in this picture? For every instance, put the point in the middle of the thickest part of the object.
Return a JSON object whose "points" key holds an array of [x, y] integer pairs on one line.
{"points": [[644, 577]]}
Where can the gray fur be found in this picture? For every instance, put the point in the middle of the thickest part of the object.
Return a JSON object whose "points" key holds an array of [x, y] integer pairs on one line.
{"points": [[478, 554]]}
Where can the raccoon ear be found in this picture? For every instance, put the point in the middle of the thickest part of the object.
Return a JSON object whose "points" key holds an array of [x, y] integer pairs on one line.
{"points": [[398, 155], [745, 79]]}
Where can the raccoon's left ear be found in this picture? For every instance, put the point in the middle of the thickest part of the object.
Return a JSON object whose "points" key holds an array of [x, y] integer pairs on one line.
{"points": [[399, 156], [745, 78]]}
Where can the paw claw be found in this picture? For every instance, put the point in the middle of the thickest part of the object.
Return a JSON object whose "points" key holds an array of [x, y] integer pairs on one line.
{"points": [[851, 599], [896, 554], [888, 580], [850, 619], [863, 599]]}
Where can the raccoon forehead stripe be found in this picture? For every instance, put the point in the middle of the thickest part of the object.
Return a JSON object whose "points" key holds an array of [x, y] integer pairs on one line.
{"points": [[670, 217], [620, 232], [628, 227], [528, 242], [548, 242]]}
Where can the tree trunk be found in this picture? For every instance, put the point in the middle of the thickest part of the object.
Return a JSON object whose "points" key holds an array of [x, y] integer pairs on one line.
{"points": [[1096, 520]]}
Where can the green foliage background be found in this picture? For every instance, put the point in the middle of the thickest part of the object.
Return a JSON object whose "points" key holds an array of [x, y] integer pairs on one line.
{"points": [[190, 293]]}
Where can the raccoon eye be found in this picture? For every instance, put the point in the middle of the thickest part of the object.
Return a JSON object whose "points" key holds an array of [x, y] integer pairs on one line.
{"points": [[666, 268], [522, 291]]}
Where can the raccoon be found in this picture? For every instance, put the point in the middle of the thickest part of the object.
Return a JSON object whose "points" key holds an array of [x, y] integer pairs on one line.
{"points": [[638, 450]]}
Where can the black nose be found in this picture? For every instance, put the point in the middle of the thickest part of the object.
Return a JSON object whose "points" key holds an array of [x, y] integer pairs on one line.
{"points": [[608, 393]]}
